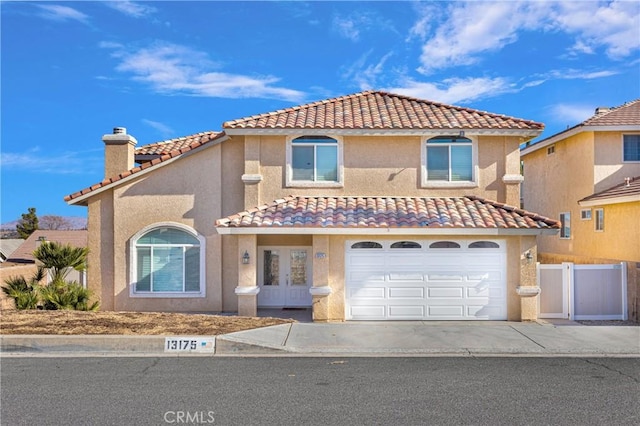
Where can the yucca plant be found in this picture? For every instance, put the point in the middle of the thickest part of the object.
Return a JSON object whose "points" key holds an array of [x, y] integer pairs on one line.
{"points": [[59, 259], [24, 293], [61, 295]]}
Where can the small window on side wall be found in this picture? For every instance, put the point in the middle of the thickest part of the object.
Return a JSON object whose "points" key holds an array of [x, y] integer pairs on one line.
{"points": [[444, 245], [484, 244], [366, 245], [599, 220], [565, 225], [585, 214]]}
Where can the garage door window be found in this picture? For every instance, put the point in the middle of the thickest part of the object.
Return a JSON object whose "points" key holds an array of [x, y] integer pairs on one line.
{"points": [[444, 245], [406, 245], [484, 244], [366, 245]]}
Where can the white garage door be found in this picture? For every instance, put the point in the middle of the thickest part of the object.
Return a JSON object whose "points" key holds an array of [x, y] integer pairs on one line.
{"points": [[426, 280]]}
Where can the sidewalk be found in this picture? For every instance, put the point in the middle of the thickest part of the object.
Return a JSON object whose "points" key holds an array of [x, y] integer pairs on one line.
{"points": [[411, 338]]}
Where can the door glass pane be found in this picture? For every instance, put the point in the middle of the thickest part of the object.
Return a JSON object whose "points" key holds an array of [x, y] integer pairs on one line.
{"points": [[167, 268], [460, 163], [302, 162], [271, 270], [438, 163], [327, 163], [298, 267]]}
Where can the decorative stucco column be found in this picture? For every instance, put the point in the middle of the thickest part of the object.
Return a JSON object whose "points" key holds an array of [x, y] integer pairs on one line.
{"points": [[320, 290], [528, 290], [512, 188], [247, 289]]}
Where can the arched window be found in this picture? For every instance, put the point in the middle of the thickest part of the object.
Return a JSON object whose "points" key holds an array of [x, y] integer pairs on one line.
{"points": [[168, 259], [444, 244], [366, 245], [449, 159], [484, 244], [406, 245]]}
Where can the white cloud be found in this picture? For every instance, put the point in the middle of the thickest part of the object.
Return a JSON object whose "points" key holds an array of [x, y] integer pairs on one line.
{"points": [[130, 8], [475, 28], [366, 75], [455, 90], [571, 113], [66, 163], [173, 69], [351, 27], [62, 13], [164, 130], [347, 28]]}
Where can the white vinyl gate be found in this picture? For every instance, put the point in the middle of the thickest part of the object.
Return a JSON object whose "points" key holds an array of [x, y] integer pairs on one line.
{"points": [[583, 292]]}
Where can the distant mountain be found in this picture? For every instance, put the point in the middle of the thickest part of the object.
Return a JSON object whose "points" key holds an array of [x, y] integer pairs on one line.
{"points": [[75, 222]]}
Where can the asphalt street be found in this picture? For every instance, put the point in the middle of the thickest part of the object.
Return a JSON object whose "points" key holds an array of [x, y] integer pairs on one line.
{"points": [[320, 391]]}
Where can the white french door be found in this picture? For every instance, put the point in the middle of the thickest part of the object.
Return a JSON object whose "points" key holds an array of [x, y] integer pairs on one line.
{"points": [[284, 276]]}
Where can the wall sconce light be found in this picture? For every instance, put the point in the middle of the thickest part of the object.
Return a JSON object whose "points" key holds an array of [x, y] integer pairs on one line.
{"points": [[245, 258], [461, 134], [528, 256]]}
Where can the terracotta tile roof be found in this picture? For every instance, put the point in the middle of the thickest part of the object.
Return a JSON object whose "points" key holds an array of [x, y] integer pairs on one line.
{"points": [[165, 147], [624, 189], [24, 253], [386, 212], [627, 114], [380, 110], [197, 142]]}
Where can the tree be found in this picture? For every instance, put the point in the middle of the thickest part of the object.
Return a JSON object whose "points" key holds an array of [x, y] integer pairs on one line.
{"points": [[28, 224], [54, 223]]}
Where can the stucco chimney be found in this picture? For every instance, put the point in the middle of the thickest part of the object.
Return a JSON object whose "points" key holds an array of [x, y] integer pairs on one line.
{"points": [[119, 150], [601, 110]]}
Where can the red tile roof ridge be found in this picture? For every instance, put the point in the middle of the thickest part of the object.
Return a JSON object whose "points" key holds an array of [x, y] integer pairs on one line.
{"points": [[611, 110], [298, 108], [209, 133], [522, 212], [133, 171], [634, 185]]}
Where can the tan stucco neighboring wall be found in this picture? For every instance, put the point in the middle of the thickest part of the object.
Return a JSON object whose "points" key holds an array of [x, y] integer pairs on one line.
{"points": [[554, 183], [609, 169]]}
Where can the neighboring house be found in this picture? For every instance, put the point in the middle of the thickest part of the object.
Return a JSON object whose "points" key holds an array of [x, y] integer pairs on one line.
{"points": [[22, 263], [8, 246], [372, 206], [588, 178]]}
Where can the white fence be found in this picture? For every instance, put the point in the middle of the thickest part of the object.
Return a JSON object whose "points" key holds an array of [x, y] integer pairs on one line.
{"points": [[583, 292]]}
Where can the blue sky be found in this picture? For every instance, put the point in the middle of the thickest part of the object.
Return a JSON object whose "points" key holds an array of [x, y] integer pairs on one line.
{"points": [[71, 71]]}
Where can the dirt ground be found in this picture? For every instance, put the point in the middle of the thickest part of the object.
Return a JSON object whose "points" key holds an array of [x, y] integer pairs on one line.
{"points": [[137, 323]]}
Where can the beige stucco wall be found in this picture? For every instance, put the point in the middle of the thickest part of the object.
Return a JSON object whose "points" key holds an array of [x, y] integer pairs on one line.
{"points": [[383, 166]]}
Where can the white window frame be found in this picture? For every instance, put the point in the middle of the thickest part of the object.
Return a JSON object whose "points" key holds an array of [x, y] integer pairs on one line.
{"points": [[598, 224], [133, 265], [622, 149], [290, 183], [565, 219], [426, 183], [585, 214]]}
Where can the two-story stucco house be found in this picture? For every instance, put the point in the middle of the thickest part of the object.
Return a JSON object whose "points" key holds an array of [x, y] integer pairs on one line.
{"points": [[371, 206], [588, 177]]}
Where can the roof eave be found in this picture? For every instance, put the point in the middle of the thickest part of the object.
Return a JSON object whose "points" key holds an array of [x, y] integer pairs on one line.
{"points": [[525, 133], [384, 231], [574, 131], [611, 200]]}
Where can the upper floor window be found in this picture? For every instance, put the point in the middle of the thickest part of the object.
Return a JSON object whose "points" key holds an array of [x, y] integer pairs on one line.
{"points": [[448, 160], [167, 261], [631, 148], [314, 159]]}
